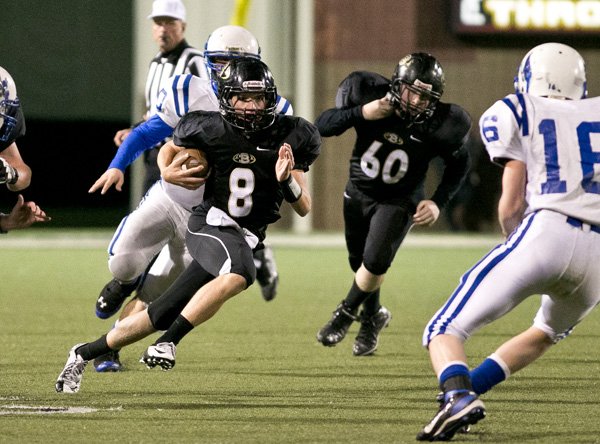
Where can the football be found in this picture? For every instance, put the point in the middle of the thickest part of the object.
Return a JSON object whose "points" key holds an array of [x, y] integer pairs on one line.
{"points": [[196, 157]]}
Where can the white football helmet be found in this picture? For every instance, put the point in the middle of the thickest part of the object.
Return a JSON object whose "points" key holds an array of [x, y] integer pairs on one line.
{"points": [[226, 43], [9, 105], [552, 70]]}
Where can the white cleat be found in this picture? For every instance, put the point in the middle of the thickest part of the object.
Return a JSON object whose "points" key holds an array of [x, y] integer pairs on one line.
{"points": [[69, 379], [161, 354]]}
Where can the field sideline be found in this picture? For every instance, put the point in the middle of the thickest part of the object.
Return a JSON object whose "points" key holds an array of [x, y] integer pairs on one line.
{"points": [[255, 373], [100, 238]]}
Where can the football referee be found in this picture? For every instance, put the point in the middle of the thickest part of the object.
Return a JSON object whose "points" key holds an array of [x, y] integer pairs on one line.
{"points": [[175, 56]]}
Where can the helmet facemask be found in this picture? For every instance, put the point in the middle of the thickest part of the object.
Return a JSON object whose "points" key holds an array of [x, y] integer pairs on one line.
{"points": [[414, 103], [252, 118], [247, 94], [417, 86]]}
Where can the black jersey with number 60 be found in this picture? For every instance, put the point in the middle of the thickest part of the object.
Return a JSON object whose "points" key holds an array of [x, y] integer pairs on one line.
{"points": [[243, 181], [390, 157]]}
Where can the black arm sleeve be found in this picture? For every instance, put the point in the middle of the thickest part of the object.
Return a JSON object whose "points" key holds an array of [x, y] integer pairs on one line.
{"points": [[335, 121], [358, 88], [453, 138], [455, 171]]}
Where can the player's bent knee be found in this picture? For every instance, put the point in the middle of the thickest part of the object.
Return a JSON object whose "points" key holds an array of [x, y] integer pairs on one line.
{"points": [[376, 267], [127, 267], [431, 333]]}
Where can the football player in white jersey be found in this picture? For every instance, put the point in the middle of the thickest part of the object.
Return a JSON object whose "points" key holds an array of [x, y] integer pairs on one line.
{"points": [[548, 141], [159, 222]]}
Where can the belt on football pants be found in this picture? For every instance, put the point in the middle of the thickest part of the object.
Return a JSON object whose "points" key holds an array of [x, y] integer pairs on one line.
{"points": [[580, 224]]}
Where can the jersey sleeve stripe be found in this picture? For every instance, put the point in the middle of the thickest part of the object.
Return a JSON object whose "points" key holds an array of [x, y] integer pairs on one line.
{"points": [[283, 105], [175, 95], [522, 120], [186, 93]]}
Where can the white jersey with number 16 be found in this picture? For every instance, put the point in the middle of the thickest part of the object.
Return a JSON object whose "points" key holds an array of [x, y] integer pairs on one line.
{"points": [[559, 141]]}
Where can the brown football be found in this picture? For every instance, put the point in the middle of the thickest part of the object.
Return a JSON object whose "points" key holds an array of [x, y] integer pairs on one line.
{"points": [[196, 157]]}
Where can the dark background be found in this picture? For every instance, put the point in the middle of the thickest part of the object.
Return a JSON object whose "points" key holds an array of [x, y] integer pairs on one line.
{"points": [[72, 61], [72, 64]]}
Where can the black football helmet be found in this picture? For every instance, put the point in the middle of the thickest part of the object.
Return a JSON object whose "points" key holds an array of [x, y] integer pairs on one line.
{"points": [[9, 106], [422, 75], [247, 75]]}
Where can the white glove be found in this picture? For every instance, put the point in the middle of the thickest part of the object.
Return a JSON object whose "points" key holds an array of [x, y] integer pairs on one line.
{"points": [[7, 173]]}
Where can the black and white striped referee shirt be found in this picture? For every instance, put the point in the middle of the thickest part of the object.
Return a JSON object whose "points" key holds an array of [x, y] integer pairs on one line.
{"points": [[184, 59]]}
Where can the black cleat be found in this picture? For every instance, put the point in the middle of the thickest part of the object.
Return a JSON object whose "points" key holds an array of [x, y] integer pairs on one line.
{"points": [[368, 335], [337, 327], [266, 273], [108, 362], [459, 409], [112, 297]]}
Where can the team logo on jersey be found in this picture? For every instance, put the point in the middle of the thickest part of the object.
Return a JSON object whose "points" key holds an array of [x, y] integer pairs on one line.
{"points": [[244, 158], [393, 138]]}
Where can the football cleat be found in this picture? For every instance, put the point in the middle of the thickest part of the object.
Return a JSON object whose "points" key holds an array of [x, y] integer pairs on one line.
{"points": [[112, 297], [161, 354], [108, 362], [439, 398], [69, 379], [459, 409], [368, 334], [337, 327], [266, 273]]}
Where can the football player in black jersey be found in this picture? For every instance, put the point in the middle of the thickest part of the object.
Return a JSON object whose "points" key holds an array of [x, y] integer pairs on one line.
{"points": [[14, 172], [400, 125], [257, 159]]}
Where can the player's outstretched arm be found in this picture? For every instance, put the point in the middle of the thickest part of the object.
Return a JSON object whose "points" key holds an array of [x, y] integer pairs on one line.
{"points": [[23, 215], [292, 182], [142, 138], [112, 176]]}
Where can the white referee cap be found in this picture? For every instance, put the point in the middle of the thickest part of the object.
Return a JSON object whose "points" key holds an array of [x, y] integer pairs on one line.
{"points": [[168, 8]]}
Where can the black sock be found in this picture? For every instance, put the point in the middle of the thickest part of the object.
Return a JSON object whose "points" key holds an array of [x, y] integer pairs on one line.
{"points": [[175, 333], [356, 297], [371, 305], [94, 349], [458, 382]]}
